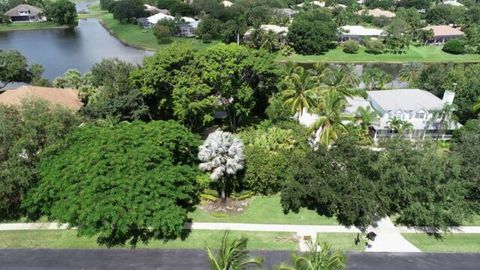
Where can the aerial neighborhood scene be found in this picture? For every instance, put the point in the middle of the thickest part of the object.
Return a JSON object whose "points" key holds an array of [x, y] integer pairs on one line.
{"points": [[240, 134]]}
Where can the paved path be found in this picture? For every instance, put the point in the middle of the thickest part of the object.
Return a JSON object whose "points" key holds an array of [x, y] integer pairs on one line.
{"points": [[389, 239]]}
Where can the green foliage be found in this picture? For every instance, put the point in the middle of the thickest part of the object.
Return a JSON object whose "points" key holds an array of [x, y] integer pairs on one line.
{"points": [[63, 12], [137, 182], [107, 4], [320, 256], [375, 78], [276, 111], [24, 133], [312, 32], [445, 14], [162, 33], [357, 185], [374, 46], [125, 10], [232, 255], [207, 38], [351, 46], [13, 68], [454, 46]]}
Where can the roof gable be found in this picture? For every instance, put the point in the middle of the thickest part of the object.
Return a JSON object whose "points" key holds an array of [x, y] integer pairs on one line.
{"points": [[64, 97], [34, 11]]}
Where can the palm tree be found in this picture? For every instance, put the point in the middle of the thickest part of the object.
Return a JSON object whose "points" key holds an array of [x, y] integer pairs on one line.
{"points": [[395, 125], [409, 73], [446, 116], [330, 123], [320, 257], [406, 127], [232, 255], [318, 71], [269, 41], [337, 80], [222, 155], [300, 92], [375, 78], [365, 116]]}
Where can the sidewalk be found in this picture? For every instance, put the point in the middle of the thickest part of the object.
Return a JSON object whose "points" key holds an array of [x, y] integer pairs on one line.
{"points": [[389, 239]]}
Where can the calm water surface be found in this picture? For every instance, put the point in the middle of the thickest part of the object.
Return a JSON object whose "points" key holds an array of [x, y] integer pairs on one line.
{"points": [[59, 49]]}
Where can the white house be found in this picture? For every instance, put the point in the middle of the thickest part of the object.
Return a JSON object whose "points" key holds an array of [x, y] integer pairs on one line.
{"points": [[453, 3], [313, 3], [359, 33], [226, 3], [152, 20], [415, 106], [188, 26]]}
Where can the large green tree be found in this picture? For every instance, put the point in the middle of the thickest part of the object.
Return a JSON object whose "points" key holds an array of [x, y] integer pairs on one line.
{"points": [[312, 32], [24, 134], [63, 12], [130, 182], [14, 68]]}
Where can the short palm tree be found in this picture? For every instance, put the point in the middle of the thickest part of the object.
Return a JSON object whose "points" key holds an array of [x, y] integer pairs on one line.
{"points": [[320, 257], [365, 117], [446, 116], [269, 41], [330, 123], [222, 155], [409, 73], [395, 125], [232, 255], [340, 81], [300, 92]]}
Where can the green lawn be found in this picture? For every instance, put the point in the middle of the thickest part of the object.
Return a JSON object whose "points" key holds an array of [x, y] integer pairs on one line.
{"points": [[265, 210], [341, 241], [57, 239], [414, 54], [29, 26], [450, 243], [474, 221]]}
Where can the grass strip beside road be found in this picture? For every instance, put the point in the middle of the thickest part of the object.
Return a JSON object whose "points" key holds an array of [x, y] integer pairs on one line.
{"points": [[65, 239], [342, 241], [458, 242], [265, 210]]}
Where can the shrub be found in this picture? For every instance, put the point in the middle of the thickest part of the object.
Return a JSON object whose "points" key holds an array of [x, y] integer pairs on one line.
{"points": [[351, 46], [206, 38], [454, 46], [374, 46], [162, 33]]}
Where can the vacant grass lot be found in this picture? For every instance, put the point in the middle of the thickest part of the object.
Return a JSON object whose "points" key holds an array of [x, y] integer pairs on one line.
{"points": [[450, 243], [341, 241], [265, 210], [429, 54], [57, 239], [29, 26]]}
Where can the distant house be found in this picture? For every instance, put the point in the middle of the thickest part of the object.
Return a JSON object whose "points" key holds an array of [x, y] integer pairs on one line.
{"points": [[377, 13], [443, 33], [188, 26], [287, 12], [313, 3], [151, 10], [281, 31], [359, 33], [454, 3], [67, 98], [152, 20], [414, 106], [25, 13]]}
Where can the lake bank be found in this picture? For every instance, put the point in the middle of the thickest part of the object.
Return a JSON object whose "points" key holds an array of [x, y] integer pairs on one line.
{"points": [[30, 26]]}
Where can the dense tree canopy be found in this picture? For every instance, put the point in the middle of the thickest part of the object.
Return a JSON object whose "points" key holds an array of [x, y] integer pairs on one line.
{"points": [[312, 32], [130, 182], [24, 133], [125, 10], [63, 12], [13, 68]]}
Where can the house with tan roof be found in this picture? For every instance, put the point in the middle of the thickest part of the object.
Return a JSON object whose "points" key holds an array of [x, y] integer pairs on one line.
{"points": [[443, 33], [377, 13], [25, 13], [67, 97], [280, 31]]}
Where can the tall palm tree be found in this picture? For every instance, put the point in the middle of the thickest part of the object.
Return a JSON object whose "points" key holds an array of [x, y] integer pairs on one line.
{"points": [[320, 257], [330, 123], [300, 92], [409, 73], [318, 71], [222, 155], [337, 80], [446, 116], [232, 255]]}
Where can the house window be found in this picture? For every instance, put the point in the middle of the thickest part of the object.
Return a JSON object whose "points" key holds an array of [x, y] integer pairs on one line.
{"points": [[399, 115], [420, 115]]}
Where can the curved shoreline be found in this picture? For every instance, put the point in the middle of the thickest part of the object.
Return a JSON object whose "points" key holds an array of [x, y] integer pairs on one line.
{"points": [[113, 34]]}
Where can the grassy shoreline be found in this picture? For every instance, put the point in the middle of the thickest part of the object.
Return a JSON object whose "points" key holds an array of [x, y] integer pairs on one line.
{"points": [[30, 26]]}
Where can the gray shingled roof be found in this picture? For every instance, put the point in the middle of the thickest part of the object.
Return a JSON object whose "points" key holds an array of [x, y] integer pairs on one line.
{"points": [[34, 11], [405, 99]]}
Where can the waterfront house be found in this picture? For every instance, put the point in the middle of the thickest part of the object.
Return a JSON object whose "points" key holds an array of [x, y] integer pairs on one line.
{"points": [[415, 106], [280, 31], [443, 33], [187, 26], [152, 20], [25, 13], [359, 33], [67, 97]]}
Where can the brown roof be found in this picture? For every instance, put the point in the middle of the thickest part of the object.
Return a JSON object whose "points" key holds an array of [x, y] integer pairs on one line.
{"points": [[64, 97], [378, 13], [34, 11], [444, 30]]}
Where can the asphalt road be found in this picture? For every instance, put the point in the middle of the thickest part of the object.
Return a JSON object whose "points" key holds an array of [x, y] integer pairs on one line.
{"points": [[156, 259]]}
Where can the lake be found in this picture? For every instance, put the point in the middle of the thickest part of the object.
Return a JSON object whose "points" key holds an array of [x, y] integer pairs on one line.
{"points": [[61, 49]]}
